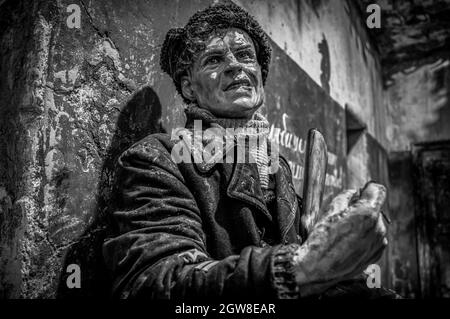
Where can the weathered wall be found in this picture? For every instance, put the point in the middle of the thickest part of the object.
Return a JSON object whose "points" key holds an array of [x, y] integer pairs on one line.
{"points": [[402, 250], [72, 99], [418, 105], [418, 110], [412, 33], [62, 93], [21, 100]]}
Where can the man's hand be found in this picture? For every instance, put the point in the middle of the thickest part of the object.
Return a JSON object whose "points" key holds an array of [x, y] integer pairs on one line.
{"points": [[349, 237]]}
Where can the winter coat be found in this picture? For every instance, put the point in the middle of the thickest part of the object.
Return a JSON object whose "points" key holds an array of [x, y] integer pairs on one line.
{"points": [[191, 230]]}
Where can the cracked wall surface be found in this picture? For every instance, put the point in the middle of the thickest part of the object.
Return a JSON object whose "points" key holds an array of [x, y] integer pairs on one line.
{"points": [[418, 105], [63, 93], [413, 33]]}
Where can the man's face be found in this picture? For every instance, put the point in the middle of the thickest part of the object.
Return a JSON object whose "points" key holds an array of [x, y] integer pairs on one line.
{"points": [[226, 77]]}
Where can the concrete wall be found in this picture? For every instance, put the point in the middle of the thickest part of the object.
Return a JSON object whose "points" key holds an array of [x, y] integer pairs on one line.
{"points": [[418, 106], [403, 246], [66, 111], [72, 99], [418, 110]]}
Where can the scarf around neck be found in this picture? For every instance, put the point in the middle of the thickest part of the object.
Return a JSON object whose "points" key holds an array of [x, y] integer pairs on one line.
{"points": [[256, 127]]}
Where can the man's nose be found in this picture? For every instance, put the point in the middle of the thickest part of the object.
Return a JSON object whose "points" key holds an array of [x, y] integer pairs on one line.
{"points": [[233, 65]]}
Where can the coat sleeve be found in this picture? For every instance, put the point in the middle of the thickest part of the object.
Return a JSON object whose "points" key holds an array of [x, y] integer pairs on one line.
{"points": [[159, 251]]}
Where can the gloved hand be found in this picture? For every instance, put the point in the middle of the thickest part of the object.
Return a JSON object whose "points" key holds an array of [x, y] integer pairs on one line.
{"points": [[349, 237]]}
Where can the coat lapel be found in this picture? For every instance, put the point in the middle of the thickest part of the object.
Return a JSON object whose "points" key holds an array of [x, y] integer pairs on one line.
{"points": [[287, 203], [244, 185]]}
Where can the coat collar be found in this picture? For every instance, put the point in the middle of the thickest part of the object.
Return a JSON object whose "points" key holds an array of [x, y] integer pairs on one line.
{"points": [[195, 147]]}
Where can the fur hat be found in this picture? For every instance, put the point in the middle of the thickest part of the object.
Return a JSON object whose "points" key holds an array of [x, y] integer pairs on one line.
{"points": [[182, 44]]}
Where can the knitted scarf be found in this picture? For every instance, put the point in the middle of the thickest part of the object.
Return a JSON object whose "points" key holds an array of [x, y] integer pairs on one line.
{"points": [[256, 128]]}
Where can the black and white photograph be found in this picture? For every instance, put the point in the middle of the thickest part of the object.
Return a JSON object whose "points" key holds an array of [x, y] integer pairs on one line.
{"points": [[224, 155]]}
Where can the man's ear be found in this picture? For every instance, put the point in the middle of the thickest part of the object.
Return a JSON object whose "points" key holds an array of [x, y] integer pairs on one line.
{"points": [[186, 88]]}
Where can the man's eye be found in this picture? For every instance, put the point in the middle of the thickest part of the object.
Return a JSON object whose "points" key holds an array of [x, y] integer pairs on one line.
{"points": [[245, 55], [212, 60]]}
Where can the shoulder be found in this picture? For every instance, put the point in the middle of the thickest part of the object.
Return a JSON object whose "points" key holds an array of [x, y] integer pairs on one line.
{"points": [[151, 145], [154, 149]]}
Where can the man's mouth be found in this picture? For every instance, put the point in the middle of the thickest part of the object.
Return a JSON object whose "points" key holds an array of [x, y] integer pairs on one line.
{"points": [[237, 84]]}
